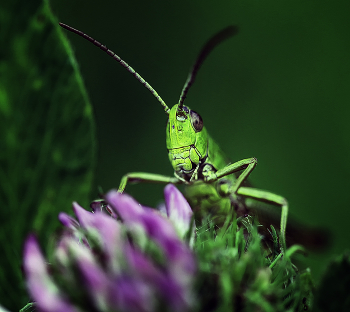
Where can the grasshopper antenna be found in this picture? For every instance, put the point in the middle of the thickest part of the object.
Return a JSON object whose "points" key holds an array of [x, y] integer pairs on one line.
{"points": [[208, 47], [120, 61]]}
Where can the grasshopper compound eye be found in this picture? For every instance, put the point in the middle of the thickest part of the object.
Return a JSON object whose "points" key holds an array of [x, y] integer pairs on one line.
{"points": [[196, 120], [182, 113]]}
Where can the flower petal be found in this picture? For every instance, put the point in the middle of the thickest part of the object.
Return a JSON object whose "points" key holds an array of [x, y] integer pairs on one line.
{"points": [[85, 217], [108, 230], [140, 266], [132, 295], [68, 221], [181, 265], [178, 210], [94, 278], [157, 228], [125, 206], [40, 285]]}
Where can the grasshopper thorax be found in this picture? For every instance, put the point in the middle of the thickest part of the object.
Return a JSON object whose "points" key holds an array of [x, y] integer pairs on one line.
{"points": [[186, 140]]}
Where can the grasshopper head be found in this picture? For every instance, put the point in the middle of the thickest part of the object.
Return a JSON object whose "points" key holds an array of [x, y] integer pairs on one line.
{"points": [[186, 139]]}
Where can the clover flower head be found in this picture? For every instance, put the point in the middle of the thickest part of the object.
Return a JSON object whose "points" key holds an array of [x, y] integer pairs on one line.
{"points": [[137, 263]]}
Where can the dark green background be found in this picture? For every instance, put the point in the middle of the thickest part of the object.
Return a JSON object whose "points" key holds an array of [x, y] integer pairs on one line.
{"points": [[278, 91]]}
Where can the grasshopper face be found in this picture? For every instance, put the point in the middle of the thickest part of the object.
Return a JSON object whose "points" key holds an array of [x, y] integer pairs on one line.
{"points": [[186, 139]]}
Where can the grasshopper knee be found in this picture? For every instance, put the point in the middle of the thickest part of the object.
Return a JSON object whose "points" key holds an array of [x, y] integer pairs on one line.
{"points": [[253, 162]]}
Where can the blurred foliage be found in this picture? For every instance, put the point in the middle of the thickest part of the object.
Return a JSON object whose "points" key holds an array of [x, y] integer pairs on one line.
{"points": [[47, 147], [237, 273]]}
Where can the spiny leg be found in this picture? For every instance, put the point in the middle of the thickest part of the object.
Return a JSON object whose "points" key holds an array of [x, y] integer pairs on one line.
{"points": [[274, 199], [145, 177], [247, 164]]}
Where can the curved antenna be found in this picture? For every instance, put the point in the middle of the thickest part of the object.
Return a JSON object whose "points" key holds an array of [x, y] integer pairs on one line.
{"points": [[208, 47], [121, 62]]}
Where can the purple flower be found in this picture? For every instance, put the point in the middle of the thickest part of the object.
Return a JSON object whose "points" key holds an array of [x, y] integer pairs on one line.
{"points": [[140, 263], [39, 281]]}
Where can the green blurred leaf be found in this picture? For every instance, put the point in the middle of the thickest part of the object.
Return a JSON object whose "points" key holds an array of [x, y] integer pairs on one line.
{"points": [[47, 146]]}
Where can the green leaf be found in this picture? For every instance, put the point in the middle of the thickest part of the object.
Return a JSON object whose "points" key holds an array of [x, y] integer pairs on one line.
{"points": [[47, 150]]}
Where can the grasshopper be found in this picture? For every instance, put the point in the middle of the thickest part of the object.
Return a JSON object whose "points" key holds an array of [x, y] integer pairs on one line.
{"points": [[212, 184]]}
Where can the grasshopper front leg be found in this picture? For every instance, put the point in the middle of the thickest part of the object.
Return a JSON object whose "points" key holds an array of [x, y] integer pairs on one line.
{"points": [[247, 164], [145, 177], [236, 189]]}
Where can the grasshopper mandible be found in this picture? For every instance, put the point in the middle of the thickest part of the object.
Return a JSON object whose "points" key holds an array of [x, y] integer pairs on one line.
{"points": [[212, 184]]}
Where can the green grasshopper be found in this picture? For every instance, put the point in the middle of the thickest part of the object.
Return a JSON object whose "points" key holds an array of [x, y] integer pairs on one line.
{"points": [[212, 184]]}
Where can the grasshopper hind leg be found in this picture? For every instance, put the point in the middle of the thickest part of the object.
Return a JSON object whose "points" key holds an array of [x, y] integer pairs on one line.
{"points": [[272, 198]]}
